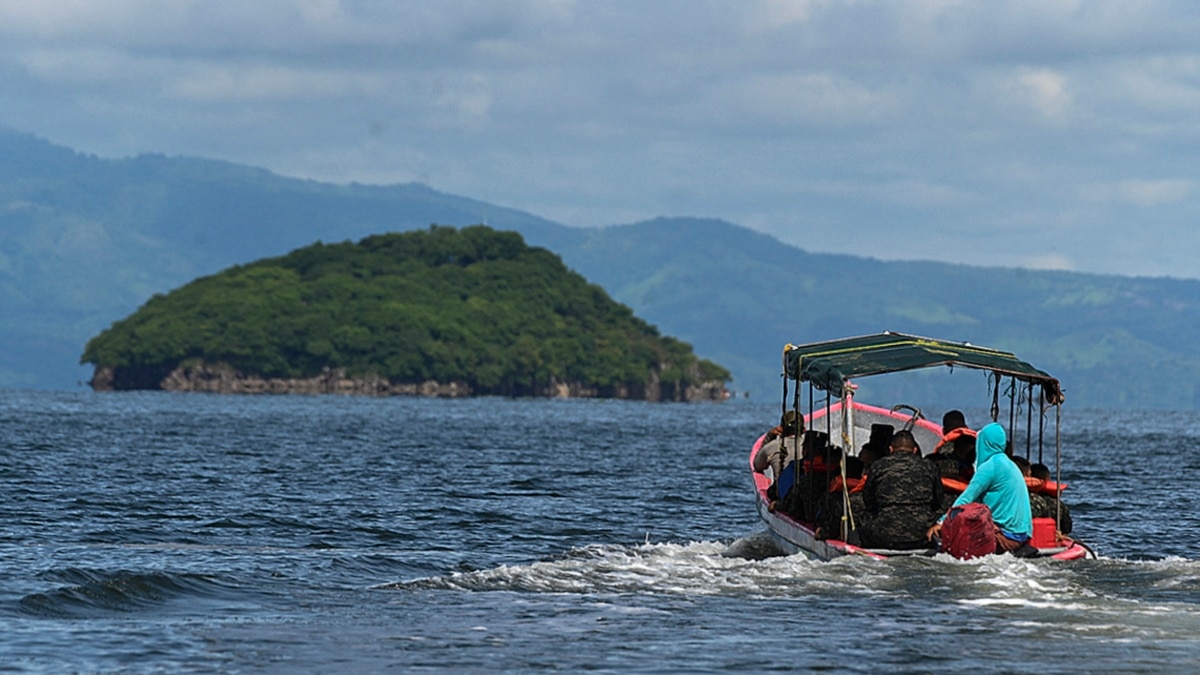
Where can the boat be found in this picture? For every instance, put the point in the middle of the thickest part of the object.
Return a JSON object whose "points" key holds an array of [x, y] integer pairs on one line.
{"points": [[830, 409]]}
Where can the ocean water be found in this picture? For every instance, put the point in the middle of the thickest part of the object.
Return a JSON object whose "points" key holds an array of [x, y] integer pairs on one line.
{"points": [[154, 532]]}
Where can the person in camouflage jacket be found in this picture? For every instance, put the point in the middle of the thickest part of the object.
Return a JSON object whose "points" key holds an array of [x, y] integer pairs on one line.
{"points": [[902, 496]]}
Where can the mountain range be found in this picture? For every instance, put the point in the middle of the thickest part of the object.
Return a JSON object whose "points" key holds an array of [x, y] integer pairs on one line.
{"points": [[84, 241]]}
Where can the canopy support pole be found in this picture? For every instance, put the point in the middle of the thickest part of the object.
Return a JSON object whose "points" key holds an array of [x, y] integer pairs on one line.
{"points": [[1041, 424], [783, 403], [1012, 407], [798, 463], [1029, 422], [847, 445], [995, 409], [1057, 465]]}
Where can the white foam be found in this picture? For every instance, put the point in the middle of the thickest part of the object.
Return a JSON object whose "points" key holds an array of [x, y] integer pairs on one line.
{"points": [[697, 568], [1039, 594]]}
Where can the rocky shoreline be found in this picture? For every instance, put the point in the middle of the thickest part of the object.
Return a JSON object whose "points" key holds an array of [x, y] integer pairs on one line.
{"points": [[224, 379]]}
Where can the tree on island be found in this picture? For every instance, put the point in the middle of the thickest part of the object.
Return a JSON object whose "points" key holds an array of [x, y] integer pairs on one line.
{"points": [[473, 306]]}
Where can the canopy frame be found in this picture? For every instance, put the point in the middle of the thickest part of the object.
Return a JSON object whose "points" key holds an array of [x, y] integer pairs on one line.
{"points": [[830, 366]]}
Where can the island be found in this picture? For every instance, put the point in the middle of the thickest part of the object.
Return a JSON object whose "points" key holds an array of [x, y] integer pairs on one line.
{"points": [[437, 312]]}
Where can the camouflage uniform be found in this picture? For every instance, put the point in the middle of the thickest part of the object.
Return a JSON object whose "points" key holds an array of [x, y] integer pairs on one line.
{"points": [[829, 516], [947, 465], [1045, 506], [948, 499], [956, 461], [964, 454], [902, 496]]}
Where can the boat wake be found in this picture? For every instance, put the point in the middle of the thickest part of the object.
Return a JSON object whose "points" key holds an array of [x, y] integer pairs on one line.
{"points": [[751, 565], [1044, 591]]}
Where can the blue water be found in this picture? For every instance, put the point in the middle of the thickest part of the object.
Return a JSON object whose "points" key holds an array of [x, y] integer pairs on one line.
{"points": [[152, 532]]}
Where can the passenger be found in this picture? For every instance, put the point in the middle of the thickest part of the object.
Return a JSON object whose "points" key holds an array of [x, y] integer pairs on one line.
{"points": [[953, 419], [855, 467], [998, 484], [777, 430], [881, 435], [869, 455], [901, 497], [832, 505], [1042, 505], [1039, 471], [955, 453], [779, 447], [1023, 465], [946, 464], [1047, 506], [802, 488]]}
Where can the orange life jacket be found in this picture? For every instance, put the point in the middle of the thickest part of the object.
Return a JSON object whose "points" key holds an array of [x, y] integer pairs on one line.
{"points": [[819, 465], [1046, 487], [856, 484], [953, 485], [954, 435]]}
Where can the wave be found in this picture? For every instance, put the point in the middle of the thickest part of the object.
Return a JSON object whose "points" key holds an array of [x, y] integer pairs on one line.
{"points": [[87, 593]]}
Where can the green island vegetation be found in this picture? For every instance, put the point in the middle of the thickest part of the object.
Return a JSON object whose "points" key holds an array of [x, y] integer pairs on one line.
{"points": [[471, 305]]}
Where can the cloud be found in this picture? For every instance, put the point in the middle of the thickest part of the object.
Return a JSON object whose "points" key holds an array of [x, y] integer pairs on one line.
{"points": [[1139, 192], [87, 67], [293, 27], [1045, 91], [775, 15], [801, 98], [1154, 192], [217, 83], [985, 129], [463, 103], [1048, 261], [1161, 86]]}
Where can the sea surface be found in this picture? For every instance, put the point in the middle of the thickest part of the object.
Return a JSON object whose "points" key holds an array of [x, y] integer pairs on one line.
{"points": [[157, 532]]}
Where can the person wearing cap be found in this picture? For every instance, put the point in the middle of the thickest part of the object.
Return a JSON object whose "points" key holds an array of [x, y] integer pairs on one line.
{"points": [[780, 446]]}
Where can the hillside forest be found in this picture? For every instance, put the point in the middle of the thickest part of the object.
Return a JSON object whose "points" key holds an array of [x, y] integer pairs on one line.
{"points": [[471, 305]]}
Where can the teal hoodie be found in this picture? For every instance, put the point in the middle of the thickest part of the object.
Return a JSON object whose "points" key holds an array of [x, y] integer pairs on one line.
{"points": [[998, 484]]}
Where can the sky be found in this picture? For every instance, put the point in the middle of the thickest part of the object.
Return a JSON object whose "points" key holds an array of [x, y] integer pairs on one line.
{"points": [[1050, 134]]}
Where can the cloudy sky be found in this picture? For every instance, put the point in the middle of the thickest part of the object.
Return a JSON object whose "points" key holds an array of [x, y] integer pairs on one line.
{"points": [[1049, 133]]}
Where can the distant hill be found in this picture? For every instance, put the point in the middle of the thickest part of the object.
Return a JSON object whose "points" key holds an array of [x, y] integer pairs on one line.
{"points": [[84, 241], [739, 296], [474, 307]]}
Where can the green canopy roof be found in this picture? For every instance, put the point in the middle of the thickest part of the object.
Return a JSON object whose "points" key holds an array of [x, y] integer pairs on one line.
{"points": [[829, 364]]}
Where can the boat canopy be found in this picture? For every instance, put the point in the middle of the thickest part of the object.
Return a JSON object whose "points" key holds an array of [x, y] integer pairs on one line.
{"points": [[827, 365]]}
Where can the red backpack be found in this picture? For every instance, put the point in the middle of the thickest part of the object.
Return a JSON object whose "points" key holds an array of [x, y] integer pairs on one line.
{"points": [[968, 532]]}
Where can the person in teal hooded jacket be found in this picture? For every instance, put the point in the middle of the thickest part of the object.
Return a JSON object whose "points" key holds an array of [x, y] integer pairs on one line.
{"points": [[999, 485]]}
